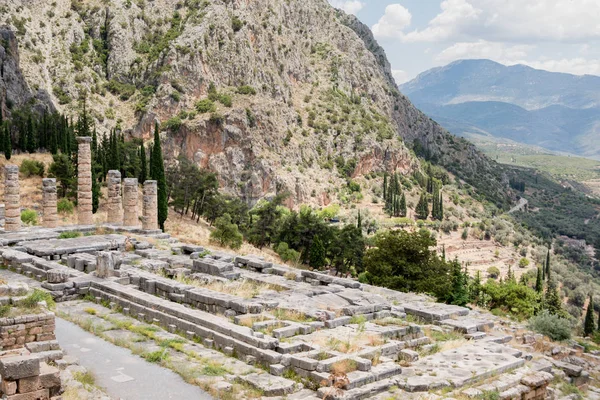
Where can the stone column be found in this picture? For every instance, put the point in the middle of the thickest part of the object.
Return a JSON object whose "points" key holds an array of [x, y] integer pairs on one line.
{"points": [[130, 202], [49, 202], [150, 210], [104, 264], [12, 198], [115, 201], [84, 181]]}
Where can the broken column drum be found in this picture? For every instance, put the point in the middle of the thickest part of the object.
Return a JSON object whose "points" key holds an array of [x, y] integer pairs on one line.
{"points": [[49, 202], [115, 200], [12, 198], [130, 202], [150, 209], [84, 181]]}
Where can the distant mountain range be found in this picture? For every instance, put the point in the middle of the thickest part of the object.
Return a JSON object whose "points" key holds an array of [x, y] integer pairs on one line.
{"points": [[556, 111]]}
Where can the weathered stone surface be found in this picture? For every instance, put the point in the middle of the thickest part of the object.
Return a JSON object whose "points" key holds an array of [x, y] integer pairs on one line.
{"points": [[12, 198], [49, 202], [130, 202], [150, 206], [13, 368], [269, 385], [84, 181], [57, 276], [115, 200]]}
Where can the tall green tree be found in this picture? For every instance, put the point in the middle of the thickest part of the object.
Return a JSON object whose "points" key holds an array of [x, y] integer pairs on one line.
{"points": [[267, 217], [317, 255], [552, 301], [144, 164], [548, 265], [7, 143], [589, 325], [422, 209], [157, 172], [539, 282]]}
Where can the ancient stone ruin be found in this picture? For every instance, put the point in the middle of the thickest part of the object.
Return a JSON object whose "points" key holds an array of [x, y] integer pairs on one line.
{"points": [[12, 198], [337, 337], [84, 181]]}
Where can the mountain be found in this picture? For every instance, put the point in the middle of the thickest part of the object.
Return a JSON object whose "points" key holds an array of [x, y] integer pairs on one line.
{"points": [[294, 96], [557, 111]]}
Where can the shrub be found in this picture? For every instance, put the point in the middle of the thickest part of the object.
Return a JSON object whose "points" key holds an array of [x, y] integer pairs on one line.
{"points": [[225, 99], [523, 262], [493, 272], [236, 23], [286, 253], [173, 124], [37, 296], [226, 233], [205, 106], [29, 217], [65, 206], [246, 90], [553, 326], [69, 235], [31, 167]]}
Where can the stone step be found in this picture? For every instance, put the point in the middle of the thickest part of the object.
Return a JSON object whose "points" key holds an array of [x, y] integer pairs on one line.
{"points": [[38, 347]]}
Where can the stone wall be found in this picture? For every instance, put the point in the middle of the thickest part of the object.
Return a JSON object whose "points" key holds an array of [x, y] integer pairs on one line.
{"points": [[26, 376], [15, 332]]}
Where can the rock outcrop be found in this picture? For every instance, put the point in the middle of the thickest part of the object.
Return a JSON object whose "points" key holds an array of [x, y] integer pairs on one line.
{"points": [[296, 95]]}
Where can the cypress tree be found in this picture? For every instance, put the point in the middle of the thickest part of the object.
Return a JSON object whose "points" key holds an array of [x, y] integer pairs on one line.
{"points": [[317, 253], [548, 265], [385, 184], [539, 282], [157, 171], [552, 300], [403, 205], [441, 208], [7, 143], [422, 207], [589, 324], [144, 164], [359, 222]]}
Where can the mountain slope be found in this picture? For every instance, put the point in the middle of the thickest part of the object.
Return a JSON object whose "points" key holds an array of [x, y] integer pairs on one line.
{"points": [[559, 112], [302, 97]]}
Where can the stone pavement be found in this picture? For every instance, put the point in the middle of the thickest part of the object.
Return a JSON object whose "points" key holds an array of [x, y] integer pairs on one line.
{"points": [[120, 373]]}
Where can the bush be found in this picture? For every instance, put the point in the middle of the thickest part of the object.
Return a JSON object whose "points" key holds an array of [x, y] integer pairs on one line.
{"points": [[31, 167], [226, 233], [493, 272], [286, 253], [37, 296], [65, 206], [205, 106], [236, 23], [246, 90], [523, 262], [29, 217], [69, 235], [553, 326], [173, 123]]}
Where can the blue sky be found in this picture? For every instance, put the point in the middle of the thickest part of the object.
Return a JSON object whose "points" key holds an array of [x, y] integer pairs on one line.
{"points": [[555, 35]]}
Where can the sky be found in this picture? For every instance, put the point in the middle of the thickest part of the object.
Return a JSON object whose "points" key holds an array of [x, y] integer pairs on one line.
{"points": [[555, 35]]}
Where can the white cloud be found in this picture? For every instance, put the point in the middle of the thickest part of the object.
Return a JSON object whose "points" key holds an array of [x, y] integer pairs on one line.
{"points": [[393, 22], [400, 76], [498, 20], [496, 51], [517, 54], [455, 15], [576, 66], [349, 6]]}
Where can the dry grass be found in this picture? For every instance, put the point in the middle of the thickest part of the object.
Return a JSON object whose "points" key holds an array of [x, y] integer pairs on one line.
{"points": [[246, 289], [343, 367], [189, 231], [452, 344]]}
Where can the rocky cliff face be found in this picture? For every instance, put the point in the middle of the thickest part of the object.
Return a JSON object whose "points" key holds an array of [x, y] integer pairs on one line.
{"points": [[303, 95]]}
